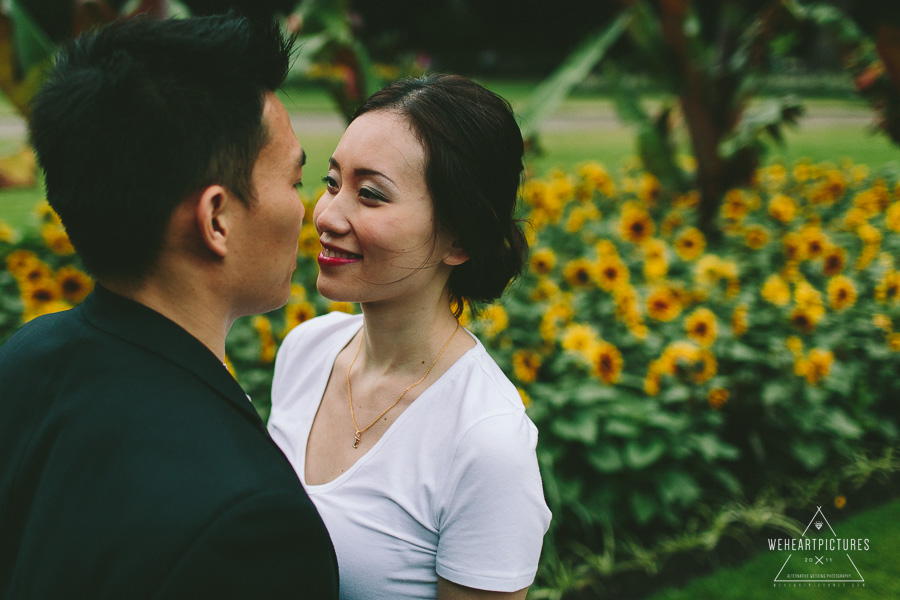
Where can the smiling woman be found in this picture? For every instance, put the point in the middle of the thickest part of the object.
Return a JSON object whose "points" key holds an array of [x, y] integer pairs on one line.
{"points": [[414, 446]]}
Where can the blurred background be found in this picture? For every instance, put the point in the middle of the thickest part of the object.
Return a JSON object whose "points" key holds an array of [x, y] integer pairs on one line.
{"points": [[708, 336]]}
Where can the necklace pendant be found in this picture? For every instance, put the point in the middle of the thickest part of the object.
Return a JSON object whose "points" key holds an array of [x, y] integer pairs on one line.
{"points": [[356, 441]]}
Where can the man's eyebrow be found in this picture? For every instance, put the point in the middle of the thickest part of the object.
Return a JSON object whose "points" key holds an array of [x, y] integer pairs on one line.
{"points": [[361, 170], [303, 158]]}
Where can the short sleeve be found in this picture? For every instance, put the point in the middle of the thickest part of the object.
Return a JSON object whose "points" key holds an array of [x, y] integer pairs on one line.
{"points": [[492, 515]]}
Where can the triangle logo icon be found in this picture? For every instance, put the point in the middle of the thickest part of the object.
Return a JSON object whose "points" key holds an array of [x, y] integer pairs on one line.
{"points": [[820, 556]]}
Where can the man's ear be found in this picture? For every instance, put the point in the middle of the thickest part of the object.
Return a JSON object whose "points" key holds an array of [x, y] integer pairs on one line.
{"points": [[457, 256], [213, 215]]}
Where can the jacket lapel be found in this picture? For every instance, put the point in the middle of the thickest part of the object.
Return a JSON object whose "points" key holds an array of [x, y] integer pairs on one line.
{"points": [[144, 327]]}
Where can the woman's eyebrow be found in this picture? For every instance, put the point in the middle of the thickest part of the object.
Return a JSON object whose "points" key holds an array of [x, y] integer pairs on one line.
{"points": [[361, 171]]}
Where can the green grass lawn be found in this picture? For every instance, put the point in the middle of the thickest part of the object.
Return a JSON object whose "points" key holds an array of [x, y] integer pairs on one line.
{"points": [[754, 579]]}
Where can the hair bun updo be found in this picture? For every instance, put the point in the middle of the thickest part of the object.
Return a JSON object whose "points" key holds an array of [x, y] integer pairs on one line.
{"points": [[473, 148]]}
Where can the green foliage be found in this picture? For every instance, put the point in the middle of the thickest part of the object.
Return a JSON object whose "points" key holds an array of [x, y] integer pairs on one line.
{"points": [[548, 96]]}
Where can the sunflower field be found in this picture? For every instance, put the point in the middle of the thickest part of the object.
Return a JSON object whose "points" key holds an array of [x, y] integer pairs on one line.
{"points": [[669, 375]]}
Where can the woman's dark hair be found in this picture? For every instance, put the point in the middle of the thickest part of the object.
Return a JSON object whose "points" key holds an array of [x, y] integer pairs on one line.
{"points": [[140, 114], [473, 152]]}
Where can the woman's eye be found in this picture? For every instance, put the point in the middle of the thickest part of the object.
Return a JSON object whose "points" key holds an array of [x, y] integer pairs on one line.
{"points": [[329, 182], [370, 194]]}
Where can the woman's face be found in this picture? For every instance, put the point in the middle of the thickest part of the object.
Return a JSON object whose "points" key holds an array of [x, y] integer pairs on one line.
{"points": [[376, 218]]}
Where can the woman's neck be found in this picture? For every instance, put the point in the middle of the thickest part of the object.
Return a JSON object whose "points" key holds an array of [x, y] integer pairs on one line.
{"points": [[400, 339]]}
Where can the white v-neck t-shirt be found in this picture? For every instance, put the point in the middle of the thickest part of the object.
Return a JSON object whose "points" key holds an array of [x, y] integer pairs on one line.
{"points": [[452, 488]]}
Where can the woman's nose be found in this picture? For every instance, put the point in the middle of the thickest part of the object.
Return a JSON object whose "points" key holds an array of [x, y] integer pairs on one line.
{"points": [[329, 215]]}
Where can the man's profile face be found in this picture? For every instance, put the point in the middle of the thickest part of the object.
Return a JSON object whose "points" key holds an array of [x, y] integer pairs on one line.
{"points": [[266, 240]]}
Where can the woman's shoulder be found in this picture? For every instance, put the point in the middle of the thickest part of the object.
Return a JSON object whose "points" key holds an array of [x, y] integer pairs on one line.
{"points": [[484, 385]]}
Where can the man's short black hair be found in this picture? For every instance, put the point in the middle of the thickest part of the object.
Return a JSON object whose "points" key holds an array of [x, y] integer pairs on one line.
{"points": [[139, 114]]}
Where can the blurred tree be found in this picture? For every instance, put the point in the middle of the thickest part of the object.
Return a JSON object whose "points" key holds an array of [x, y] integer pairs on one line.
{"points": [[867, 36]]}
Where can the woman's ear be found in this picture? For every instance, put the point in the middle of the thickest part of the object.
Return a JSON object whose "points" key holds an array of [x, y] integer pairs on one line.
{"points": [[213, 217], [457, 255]]}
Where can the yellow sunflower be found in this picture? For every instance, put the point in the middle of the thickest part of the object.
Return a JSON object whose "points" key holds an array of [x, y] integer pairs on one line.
{"points": [[893, 341], [44, 308], [594, 176], [344, 307], [611, 273], [866, 256], [882, 321], [833, 260], [40, 292], [56, 239], [841, 292], [794, 247], [526, 399], [580, 272], [525, 365], [854, 218], [795, 345], [267, 345], [655, 263], [775, 290], [636, 226], [308, 244], [690, 244], [739, 320], [815, 240], [717, 397], [888, 289], [19, 262], [869, 234], [807, 317], [74, 284], [782, 208], [494, 319], [816, 366], [8, 235], [892, 217], [579, 338], [607, 362], [653, 379], [663, 304], [701, 326], [581, 215], [545, 289], [735, 205], [756, 237], [296, 313], [543, 260]]}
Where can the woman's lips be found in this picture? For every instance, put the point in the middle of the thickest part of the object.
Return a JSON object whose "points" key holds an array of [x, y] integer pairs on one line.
{"points": [[331, 257]]}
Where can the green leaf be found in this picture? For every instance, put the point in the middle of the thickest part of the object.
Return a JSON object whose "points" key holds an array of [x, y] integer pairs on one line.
{"points": [[840, 423], [643, 506], [605, 458], [620, 428], [712, 448], [811, 454], [547, 97], [582, 430], [677, 486], [642, 454], [776, 392]]}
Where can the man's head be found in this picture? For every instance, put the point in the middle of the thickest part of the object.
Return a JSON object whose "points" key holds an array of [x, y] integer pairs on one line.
{"points": [[139, 116]]}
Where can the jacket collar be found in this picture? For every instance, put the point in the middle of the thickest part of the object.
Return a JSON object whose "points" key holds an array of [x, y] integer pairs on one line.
{"points": [[142, 326]]}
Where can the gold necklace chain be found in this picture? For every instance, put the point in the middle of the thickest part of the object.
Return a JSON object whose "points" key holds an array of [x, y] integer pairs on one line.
{"points": [[359, 431]]}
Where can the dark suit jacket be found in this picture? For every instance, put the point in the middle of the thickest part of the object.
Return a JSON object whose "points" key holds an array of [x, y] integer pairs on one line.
{"points": [[132, 465]]}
